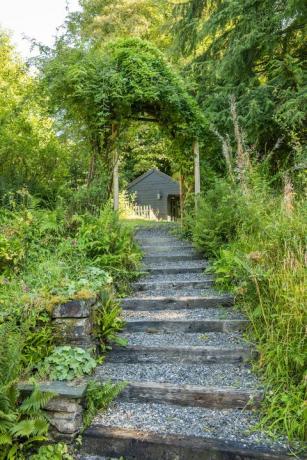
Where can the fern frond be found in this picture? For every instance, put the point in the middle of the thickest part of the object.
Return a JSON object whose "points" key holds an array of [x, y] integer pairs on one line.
{"points": [[7, 416], [35, 402], [25, 428], [5, 439], [41, 426]]}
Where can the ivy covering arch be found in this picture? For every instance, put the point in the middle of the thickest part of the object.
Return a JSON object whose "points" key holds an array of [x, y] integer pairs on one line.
{"points": [[104, 89]]}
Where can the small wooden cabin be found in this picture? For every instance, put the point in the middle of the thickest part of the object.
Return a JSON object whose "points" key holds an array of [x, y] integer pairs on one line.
{"points": [[159, 191]]}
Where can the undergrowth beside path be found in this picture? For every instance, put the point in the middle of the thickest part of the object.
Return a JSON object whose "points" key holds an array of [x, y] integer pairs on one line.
{"points": [[257, 240], [46, 258]]}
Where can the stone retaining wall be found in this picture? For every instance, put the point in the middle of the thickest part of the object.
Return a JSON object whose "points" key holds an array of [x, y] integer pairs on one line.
{"points": [[73, 323], [65, 409]]}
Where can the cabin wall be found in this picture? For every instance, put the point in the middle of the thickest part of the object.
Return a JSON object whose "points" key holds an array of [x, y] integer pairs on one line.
{"points": [[147, 190]]}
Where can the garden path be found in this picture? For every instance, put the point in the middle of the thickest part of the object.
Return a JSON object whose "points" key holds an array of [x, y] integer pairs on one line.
{"points": [[191, 393]]}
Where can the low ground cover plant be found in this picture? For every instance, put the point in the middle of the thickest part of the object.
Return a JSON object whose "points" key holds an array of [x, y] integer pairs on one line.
{"points": [[67, 363]]}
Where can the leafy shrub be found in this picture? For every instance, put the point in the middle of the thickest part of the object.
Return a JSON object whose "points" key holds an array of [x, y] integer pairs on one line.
{"points": [[91, 279], [52, 452], [109, 244], [258, 239], [68, 363], [13, 239]]}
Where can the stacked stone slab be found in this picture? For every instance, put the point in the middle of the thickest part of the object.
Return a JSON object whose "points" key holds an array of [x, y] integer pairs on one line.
{"points": [[74, 327], [64, 410], [190, 391], [73, 323]]}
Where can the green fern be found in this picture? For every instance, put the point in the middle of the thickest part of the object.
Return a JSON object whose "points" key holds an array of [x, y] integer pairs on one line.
{"points": [[35, 402], [98, 397]]}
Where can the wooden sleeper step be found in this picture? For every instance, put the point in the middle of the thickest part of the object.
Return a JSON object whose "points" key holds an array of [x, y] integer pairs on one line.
{"points": [[175, 302], [182, 354], [151, 285], [191, 395], [169, 257], [192, 326], [134, 444]]}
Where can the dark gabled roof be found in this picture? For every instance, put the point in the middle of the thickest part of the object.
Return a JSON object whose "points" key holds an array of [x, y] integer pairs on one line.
{"points": [[148, 173]]}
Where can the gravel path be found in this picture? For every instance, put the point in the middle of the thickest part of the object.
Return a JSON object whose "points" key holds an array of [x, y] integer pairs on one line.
{"points": [[217, 313], [225, 375], [230, 425], [216, 339], [227, 425]]}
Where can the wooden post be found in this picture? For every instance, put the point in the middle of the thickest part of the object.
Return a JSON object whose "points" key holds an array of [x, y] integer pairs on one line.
{"points": [[115, 182], [196, 172], [181, 198], [115, 170]]}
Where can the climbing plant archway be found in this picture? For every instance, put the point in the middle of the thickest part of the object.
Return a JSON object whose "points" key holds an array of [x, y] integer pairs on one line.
{"points": [[126, 80]]}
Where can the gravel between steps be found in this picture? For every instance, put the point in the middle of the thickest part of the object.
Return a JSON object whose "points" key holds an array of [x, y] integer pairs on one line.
{"points": [[178, 293], [183, 314], [215, 375], [215, 339], [179, 277], [178, 264], [227, 425]]}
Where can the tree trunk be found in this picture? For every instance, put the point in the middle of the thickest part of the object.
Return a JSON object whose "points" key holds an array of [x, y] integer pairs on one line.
{"points": [[196, 172]]}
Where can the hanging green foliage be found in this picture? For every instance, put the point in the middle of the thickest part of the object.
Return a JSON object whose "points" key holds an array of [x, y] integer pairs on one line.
{"points": [[127, 80]]}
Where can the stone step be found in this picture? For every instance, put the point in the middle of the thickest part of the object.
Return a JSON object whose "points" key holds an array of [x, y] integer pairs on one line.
{"points": [[234, 375], [149, 431], [151, 285], [175, 302], [170, 257], [182, 354]]}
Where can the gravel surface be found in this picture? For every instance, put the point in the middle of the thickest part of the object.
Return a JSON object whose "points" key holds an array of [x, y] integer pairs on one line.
{"points": [[178, 293], [230, 425], [166, 252], [177, 277], [218, 375], [179, 264], [227, 425], [218, 339], [183, 314], [168, 243]]}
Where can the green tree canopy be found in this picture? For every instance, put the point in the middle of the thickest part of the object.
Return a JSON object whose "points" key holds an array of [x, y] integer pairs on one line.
{"points": [[107, 20], [254, 50], [126, 80], [31, 154]]}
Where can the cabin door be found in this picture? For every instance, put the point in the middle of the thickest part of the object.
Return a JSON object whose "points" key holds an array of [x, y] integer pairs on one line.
{"points": [[173, 206]]}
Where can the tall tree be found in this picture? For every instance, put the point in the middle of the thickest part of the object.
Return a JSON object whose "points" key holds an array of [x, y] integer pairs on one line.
{"points": [[31, 154], [254, 50], [107, 20]]}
